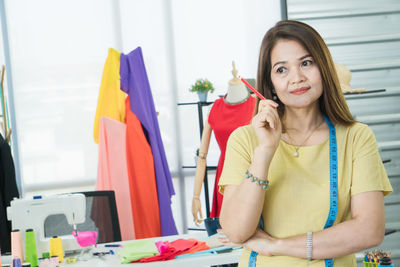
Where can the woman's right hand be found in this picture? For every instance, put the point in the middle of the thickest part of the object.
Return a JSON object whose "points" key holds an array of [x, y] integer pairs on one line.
{"points": [[267, 125]]}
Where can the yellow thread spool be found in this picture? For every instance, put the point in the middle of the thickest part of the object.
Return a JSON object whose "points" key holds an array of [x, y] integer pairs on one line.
{"points": [[56, 248]]}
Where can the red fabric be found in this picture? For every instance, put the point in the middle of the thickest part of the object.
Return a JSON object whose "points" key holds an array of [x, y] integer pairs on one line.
{"points": [[198, 247], [224, 119], [142, 181], [176, 248]]}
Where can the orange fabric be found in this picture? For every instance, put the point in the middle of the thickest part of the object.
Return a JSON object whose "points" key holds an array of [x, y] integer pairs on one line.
{"points": [[142, 181], [198, 247]]}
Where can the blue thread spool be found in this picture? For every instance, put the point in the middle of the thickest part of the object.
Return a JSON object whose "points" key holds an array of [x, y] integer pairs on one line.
{"points": [[17, 262]]}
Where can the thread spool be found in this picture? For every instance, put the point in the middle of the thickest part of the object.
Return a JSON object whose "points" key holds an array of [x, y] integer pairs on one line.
{"points": [[54, 261], [16, 262], [46, 263], [56, 248], [30, 248], [16, 245]]}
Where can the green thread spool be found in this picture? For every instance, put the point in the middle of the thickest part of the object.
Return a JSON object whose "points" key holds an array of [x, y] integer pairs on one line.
{"points": [[30, 248]]}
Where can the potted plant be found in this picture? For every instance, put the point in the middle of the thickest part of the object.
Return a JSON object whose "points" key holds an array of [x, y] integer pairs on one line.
{"points": [[202, 87]]}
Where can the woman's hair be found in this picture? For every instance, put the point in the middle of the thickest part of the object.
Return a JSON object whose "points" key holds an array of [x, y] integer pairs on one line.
{"points": [[332, 102]]}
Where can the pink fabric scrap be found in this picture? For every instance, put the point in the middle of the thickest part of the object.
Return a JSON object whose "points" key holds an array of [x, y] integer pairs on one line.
{"points": [[162, 246], [86, 239]]}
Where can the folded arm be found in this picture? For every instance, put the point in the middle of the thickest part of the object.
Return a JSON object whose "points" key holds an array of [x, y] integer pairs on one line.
{"points": [[365, 230]]}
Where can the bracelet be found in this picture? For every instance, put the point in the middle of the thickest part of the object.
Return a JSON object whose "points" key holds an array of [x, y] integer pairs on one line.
{"points": [[196, 197], [263, 183], [309, 246]]}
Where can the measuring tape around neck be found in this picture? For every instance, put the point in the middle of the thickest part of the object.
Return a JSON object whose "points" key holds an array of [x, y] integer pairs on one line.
{"points": [[334, 193]]}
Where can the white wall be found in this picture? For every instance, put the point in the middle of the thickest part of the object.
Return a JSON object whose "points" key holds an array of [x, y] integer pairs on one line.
{"points": [[58, 49]]}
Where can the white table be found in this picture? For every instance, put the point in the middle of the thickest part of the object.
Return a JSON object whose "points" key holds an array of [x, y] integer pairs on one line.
{"points": [[114, 260]]}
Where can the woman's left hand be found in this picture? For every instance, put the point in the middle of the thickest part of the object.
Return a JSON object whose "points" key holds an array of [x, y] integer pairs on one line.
{"points": [[260, 242]]}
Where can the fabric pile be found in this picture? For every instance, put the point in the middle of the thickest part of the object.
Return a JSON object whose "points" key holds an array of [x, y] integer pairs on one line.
{"points": [[150, 251]]}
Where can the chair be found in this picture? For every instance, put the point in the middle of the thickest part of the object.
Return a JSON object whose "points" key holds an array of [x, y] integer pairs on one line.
{"points": [[101, 216]]}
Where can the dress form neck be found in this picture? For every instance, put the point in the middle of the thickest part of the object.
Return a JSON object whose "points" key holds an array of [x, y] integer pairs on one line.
{"points": [[237, 91]]}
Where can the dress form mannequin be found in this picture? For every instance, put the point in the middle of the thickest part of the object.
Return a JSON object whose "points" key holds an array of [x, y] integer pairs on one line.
{"points": [[237, 93]]}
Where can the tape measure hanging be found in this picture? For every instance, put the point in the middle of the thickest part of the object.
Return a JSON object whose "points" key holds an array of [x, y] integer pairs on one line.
{"points": [[334, 193], [333, 169]]}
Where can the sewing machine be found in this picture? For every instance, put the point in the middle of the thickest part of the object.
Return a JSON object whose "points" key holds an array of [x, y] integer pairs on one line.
{"points": [[32, 213]]}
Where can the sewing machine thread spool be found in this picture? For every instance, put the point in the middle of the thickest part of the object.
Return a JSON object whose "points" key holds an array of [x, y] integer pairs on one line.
{"points": [[56, 248], [55, 261], [30, 248], [17, 262], [16, 245]]}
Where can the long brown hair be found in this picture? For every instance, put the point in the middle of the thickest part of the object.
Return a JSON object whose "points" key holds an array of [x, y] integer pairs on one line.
{"points": [[332, 102]]}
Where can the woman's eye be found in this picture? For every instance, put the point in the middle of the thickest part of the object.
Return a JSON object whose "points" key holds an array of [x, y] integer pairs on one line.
{"points": [[280, 70], [306, 63]]}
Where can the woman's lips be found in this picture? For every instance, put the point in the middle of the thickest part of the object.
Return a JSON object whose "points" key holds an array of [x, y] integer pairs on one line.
{"points": [[299, 91]]}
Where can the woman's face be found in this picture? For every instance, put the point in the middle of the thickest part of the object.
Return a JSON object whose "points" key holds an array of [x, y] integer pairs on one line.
{"points": [[295, 75]]}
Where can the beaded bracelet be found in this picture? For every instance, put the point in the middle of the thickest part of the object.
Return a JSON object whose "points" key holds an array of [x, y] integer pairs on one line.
{"points": [[263, 183]]}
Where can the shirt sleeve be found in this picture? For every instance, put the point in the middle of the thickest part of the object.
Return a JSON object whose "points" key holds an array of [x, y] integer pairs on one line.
{"points": [[238, 157], [368, 171]]}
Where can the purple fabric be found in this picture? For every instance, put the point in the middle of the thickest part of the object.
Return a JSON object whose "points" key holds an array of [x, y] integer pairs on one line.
{"points": [[135, 83]]}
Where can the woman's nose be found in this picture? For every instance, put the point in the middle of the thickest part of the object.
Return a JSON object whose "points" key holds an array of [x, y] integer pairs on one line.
{"points": [[296, 76]]}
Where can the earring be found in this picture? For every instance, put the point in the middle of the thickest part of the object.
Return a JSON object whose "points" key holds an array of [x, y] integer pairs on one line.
{"points": [[274, 96]]}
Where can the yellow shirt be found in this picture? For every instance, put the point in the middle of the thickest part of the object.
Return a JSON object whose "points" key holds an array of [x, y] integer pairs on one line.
{"points": [[297, 201], [111, 102]]}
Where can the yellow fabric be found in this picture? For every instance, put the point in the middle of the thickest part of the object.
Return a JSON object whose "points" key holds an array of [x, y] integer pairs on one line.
{"points": [[111, 102], [297, 201]]}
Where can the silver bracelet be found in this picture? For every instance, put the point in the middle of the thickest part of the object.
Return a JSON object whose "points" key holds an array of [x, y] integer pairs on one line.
{"points": [[309, 246]]}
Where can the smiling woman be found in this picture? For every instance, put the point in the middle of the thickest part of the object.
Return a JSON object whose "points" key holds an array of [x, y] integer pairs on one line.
{"points": [[322, 168], [295, 74]]}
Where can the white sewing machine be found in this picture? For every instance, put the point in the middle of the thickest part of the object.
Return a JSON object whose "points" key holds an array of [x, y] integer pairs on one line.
{"points": [[32, 213]]}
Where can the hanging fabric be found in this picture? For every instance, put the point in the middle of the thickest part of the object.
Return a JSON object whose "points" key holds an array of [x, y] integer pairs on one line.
{"points": [[135, 83], [111, 101], [113, 172], [142, 179], [8, 190]]}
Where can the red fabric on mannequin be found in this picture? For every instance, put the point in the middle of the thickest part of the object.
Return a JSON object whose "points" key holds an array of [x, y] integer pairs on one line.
{"points": [[224, 118]]}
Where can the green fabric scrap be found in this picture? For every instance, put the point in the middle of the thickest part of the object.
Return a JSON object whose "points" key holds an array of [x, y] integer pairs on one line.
{"points": [[138, 250]]}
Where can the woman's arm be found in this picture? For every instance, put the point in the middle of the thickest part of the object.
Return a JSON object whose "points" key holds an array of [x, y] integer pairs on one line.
{"points": [[200, 172], [366, 229], [243, 203]]}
